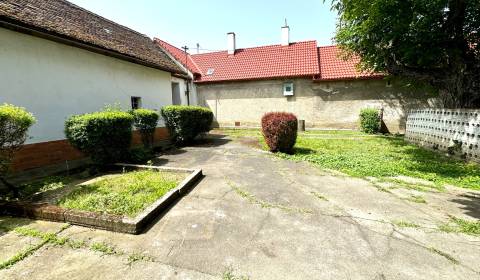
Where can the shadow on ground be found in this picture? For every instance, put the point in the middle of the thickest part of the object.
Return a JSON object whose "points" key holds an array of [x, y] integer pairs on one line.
{"points": [[470, 202]]}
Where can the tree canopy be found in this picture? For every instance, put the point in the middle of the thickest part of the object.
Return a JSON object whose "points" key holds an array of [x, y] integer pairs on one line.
{"points": [[434, 41]]}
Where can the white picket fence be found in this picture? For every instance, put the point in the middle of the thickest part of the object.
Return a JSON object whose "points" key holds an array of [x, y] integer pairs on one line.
{"points": [[457, 131]]}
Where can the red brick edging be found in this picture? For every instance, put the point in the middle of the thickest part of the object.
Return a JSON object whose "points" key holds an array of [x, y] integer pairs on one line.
{"points": [[45, 211]]}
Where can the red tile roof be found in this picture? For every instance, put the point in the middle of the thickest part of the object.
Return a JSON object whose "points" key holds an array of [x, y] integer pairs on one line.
{"points": [[301, 59], [298, 59], [334, 67], [179, 55]]}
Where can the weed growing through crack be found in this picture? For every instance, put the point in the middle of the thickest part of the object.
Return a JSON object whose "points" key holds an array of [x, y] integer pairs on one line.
{"points": [[230, 275], [21, 255], [416, 199], [49, 237], [445, 255], [135, 257], [264, 204], [405, 224], [103, 248], [76, 244], [54, 239], [46, 238], [319, 196]]}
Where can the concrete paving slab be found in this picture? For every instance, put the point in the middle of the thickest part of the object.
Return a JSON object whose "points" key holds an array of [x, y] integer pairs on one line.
{"points": [[11, 244], [60, 263], [243, 215]]}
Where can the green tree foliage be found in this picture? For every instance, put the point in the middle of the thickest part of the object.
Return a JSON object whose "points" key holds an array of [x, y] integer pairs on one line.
{"points": [[433, 41], [14, 124]]}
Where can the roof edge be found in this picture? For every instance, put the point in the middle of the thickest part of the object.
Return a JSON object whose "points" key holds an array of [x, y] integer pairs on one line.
{"points": [[309, 76], [158, 42], [21, 27], [257, 47]]}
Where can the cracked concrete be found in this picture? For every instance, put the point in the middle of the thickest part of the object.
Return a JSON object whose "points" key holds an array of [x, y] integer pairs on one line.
{"points": [[213, 228]]}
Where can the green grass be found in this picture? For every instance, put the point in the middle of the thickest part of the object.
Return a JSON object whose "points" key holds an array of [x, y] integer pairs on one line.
{"points": [[361, 155], [50, 183], [461, 225], [383, 157], [123, 194]]}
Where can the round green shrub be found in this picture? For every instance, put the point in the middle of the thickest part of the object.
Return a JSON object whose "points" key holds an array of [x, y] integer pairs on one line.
{"points": [[14, 124], [145, 121], [280, 131], [104, 136], [370, 121], [186, 122]]}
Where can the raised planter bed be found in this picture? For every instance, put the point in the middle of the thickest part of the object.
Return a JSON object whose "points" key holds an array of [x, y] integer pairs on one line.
{"points": [[117, 223]]}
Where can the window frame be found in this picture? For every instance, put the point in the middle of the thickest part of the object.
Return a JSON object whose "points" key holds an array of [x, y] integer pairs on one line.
{"points": [[136, 102]]}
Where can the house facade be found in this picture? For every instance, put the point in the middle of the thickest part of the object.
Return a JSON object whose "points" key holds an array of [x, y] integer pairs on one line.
{"points": [[314, 83], [59, 60]]}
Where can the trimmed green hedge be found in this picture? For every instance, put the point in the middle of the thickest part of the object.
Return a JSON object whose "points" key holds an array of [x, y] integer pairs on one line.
{"points": [[145, 121], [104, 136], [14, 124], [370, 120], [186, 122]]}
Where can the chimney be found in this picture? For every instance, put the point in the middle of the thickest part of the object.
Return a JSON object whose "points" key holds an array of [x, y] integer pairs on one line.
{"points": [[285, 34], [231, 44]]}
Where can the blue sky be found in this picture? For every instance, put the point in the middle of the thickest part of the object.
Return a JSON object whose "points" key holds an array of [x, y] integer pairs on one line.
{"points": [[189, 22]]}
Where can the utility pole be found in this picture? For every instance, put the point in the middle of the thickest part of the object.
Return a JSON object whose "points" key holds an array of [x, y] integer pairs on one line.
{"points": [[187, 91]]}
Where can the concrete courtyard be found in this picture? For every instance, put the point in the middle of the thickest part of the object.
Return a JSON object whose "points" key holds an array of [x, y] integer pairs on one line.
{"points": [[255, 216]]}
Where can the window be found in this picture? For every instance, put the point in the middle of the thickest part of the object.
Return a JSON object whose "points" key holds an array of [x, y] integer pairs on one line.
{"points": [[288, 89], [136, 102], [210, 71]]}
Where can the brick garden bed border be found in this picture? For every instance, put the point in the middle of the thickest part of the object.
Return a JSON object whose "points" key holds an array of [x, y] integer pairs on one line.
{"points": [[116, 223]]}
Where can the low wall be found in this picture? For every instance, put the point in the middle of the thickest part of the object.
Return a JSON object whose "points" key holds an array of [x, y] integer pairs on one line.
{"points": [[59, 153], [454, 131]]}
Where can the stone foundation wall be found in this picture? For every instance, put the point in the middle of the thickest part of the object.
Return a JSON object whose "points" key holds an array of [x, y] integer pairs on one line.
{"points": [[454, 131], [60, 152]]}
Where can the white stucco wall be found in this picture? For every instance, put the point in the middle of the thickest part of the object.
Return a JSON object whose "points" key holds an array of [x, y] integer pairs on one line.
{"points": [[183, 88], [54, 81]]}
